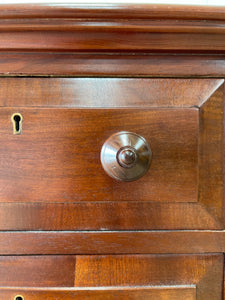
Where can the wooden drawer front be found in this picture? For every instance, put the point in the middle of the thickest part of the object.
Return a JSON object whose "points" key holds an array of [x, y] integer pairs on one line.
{"points": [[52, 171], [57, 157], [164, 276], [124, 293]]}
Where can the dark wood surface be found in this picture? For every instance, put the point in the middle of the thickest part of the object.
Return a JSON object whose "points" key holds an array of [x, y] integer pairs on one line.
{"points": [[110, 10], [131, 28], [30, 33], [111, 242], [106, 92], [57, 157], [37, 271], [211, 161], [116, 271], [161, 237], [109, 215], [66, 146], [122, 293], [148, 269], [124, 65]]}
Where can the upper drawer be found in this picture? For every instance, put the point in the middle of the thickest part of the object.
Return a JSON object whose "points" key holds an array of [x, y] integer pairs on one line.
{"points": [[51, 175]]}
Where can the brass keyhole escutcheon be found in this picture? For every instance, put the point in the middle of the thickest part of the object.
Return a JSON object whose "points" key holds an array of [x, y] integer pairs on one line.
{"points": [[17, 119], [19, 297]]}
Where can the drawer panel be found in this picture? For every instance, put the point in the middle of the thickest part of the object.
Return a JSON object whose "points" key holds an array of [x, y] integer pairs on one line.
{"points": [[151, 275], [37, 271], [51, 176], [124, 293], [105, 92], [57, 156]]}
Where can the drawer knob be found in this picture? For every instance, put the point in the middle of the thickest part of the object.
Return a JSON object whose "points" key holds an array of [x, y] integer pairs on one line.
{"points": [[126, 156]]}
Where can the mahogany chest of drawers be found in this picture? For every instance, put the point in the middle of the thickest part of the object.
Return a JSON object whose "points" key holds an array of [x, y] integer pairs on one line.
{"points": [[112, 152]]}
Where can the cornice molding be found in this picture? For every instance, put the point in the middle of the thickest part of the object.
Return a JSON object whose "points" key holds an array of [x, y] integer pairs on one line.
{"points": [[112, 40], [111, 11], [110, 28]]}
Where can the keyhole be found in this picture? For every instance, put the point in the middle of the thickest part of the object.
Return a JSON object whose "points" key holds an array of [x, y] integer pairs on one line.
{"points": [[17, 123], [18, 297]]}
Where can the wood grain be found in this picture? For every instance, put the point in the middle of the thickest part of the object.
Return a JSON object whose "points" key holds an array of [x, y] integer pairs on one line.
{"points": [[57, 157], [114, 242], [173, 174], [138, 270], [102, 41], [37, 271], [120, 215], [111, 28], [96, 65], [48, 174], [106, 92], [124, 293], [203, 270], [117, 11], [117, 271], [211, 154]]}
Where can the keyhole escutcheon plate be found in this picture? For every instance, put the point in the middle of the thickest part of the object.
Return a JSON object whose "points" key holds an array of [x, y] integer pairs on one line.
{"points": [[17, 119]]}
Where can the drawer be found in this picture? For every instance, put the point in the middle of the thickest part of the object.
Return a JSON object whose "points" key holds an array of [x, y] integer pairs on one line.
{"points": [[114, 276], [125, 293], [51, 175]]}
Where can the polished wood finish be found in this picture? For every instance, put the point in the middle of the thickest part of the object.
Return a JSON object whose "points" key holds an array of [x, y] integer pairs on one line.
{"points": [[130, 28], [124, 293], [211, 154], [37, 271], [142, 270], [115, 40], [69, 231], [124, 65], [172, 195], [106, 92], [118, 271], [109, 215], [98, 40], [111, 11], [67, 149], [111, 242]]}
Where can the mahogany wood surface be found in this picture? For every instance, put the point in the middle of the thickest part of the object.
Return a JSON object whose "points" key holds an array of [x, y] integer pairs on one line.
{"points": [[118, 271], [67, 230], [111, 28], [106, 92], [29, 34], [211, 161], [38, 271], [123, 65], [67, 148], [109, 215], [111, 242], [148, 269], [57, 156], [100, 40], [122, 293], [111, 10], [175, 271]]}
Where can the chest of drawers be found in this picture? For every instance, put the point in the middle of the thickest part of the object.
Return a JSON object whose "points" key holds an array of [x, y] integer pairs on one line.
{"points": [[74, 77]]}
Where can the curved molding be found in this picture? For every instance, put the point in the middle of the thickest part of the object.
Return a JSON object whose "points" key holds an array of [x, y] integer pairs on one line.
{"points": [[111, 10], [112, 28]]}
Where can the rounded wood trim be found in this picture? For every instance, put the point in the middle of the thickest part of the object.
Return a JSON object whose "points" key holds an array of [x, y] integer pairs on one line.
{"points": [[109, 27], [111, 10]]}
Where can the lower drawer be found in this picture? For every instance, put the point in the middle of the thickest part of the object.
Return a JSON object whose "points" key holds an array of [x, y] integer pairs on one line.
{"points": [[148, 293], [164, 277]]}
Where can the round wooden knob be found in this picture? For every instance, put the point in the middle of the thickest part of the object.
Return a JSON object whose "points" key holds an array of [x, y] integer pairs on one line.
{"points": [[126, 156]]}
